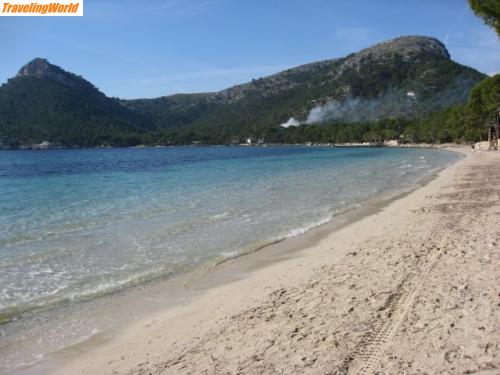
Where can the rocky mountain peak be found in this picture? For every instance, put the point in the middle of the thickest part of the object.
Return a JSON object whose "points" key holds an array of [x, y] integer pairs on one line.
{"points": [[41, 68], [405, 45], [407, 48]]}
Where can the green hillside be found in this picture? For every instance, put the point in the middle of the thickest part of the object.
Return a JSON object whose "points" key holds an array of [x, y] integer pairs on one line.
{"points": [[387, 90]]}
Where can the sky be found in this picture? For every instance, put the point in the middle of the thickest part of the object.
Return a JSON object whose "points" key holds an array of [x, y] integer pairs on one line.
{"points": [[150, 48]]}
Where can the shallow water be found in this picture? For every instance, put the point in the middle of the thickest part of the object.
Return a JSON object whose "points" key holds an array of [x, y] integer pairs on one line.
{"points": [[79, 224]]}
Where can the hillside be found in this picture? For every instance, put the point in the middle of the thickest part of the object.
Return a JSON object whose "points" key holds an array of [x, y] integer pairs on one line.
{"points": [[45, 103], [407, 77]]}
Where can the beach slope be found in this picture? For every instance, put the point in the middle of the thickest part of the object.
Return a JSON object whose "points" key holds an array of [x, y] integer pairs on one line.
{"points": [[411, 288]]}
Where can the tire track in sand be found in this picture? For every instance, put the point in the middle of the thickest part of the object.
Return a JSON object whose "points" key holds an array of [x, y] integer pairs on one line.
{"points": [[367, 354]]}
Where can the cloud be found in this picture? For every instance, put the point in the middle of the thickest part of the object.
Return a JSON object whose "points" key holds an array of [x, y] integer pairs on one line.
{"points": [[183, 9], [354, 38], [68, 42], [245, 72], [167, 4], [194, 81], [460, 18], [476, 46]]}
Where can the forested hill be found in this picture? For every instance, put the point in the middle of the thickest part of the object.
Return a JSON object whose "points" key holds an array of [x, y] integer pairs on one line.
{"points": [[401, 81], [45, 103], [374, 83]]}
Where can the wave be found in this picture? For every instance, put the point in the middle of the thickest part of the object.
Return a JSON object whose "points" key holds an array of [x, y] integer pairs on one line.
{"points": [[64, 296], [248, 209]]}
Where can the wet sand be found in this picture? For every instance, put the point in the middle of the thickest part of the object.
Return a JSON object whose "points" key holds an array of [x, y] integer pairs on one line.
{"points": [[414, 287]]}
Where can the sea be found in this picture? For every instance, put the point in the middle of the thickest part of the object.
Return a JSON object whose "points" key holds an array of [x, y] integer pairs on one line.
{"points": [[78, 226]]}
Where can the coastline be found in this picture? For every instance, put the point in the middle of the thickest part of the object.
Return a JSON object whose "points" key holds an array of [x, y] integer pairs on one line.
{"points": [[31, 339], [390, 143], [234, 288]]}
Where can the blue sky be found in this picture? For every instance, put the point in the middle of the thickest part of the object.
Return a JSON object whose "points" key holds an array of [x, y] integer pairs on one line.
{"points": [[149, 48]]}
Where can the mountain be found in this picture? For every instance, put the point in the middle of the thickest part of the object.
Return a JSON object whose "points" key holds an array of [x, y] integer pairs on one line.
{"points": [[407, 77], [45, 103], [378, 78]]}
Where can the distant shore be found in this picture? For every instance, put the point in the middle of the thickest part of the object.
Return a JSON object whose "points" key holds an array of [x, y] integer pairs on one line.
{"points": [[412, 286], [50, 146]]}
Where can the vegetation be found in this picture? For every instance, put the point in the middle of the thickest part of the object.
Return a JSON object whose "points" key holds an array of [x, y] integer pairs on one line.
{"points": [[45, 103], [459, 123], [489, 11], [33, 110]]}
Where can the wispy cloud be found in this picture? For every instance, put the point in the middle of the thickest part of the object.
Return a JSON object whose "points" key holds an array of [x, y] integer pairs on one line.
{"points": [[196, 81], [248, 72], [457, 22], [354, 37], [478, 47], [183, 9], [67, 42], [167, 4]]}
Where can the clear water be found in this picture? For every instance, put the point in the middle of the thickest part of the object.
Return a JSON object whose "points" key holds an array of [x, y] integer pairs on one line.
{"points": [[75, 224]]}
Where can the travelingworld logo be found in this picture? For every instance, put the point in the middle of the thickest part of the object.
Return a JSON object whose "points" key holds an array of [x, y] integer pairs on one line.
{"points": [[41, 8]]}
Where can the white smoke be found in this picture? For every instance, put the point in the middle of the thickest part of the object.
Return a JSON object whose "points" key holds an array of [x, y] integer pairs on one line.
{"points": [[392, 104], [332, 110], [291, 122]]}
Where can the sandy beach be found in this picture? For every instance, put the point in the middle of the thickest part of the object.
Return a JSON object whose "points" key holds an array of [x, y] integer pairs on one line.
{"points": [[413, 287]]}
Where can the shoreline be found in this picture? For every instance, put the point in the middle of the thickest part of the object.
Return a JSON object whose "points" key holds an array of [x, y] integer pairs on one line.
{"points": [[25, 342], [337, 219], [186, 287], [36, 147], [208, 308]]}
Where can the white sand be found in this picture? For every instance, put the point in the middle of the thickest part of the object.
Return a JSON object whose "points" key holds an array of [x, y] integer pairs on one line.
{"points": [[413, 288]]}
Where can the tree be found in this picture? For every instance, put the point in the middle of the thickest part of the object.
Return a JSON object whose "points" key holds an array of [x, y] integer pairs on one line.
{"points": [[489, 11]]}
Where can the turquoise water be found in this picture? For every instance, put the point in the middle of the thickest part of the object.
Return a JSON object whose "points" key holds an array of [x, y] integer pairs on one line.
{"points": [[75, 224]]}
